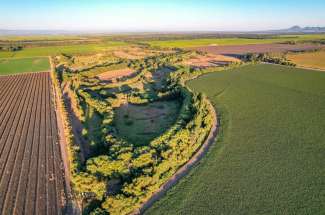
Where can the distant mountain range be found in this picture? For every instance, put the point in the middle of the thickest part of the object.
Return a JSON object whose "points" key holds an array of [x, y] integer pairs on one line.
{"points": [[298, 29]]}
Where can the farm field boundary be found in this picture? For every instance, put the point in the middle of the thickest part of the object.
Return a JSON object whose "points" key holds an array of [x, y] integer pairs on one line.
{"points": [[31, 180], [23, 65]]}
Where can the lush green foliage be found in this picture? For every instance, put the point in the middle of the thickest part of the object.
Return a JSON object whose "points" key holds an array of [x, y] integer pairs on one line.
{"points": [[56, 50], [22, 65], [125, 173], [269, 157], [267, 58]]}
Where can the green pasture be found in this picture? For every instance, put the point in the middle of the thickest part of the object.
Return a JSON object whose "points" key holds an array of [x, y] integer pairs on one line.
{"points": [[66, 49], [23, 65], [269, 156]]}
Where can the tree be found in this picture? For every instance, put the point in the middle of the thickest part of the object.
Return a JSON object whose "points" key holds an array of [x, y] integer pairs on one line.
{"points": [[104, 166], [88, 186]]}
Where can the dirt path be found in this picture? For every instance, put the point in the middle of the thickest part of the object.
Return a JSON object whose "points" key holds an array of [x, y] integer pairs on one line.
{"points": [[184, 170], [71, 207]]}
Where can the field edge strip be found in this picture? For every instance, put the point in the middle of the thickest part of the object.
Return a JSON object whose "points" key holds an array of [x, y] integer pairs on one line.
{"points": [[65, 134]]}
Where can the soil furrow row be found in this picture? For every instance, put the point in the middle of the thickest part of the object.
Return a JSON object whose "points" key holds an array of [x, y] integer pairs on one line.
{"points": [[10, 131], [15, 175], [31, 170], [22, 186], [4, 87], [40, 203], [8, 161], [29, 207], [51, 182], [9, 105]]}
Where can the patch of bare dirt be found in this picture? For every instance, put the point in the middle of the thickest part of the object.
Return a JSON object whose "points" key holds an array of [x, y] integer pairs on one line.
{"points": [[114, 74], [210, 60], [236, 50], [132, 53]]}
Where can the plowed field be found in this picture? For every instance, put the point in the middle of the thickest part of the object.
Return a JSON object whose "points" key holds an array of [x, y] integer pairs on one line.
{"points": [[235, 50], [31, 170]]}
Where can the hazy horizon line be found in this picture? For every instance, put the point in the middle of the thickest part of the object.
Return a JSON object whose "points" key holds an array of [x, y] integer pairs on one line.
{"points": [[138, 31]]}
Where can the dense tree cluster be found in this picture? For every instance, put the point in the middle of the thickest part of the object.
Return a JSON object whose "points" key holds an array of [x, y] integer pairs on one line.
{"points": [[267, 58], [13, 48], [119, 176]]}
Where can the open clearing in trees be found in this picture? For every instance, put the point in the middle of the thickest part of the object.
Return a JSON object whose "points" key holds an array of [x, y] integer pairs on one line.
{"points": [[31, 170], [141, 124], [269, 158]]}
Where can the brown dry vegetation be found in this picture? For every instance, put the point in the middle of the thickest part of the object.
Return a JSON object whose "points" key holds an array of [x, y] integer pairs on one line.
{"points": [[135, 52], [234, 50], [314, 60], [114, 74], [208, 60]]}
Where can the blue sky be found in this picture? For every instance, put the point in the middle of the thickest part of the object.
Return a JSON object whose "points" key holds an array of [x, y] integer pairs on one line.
{"points": [[164, 15]]}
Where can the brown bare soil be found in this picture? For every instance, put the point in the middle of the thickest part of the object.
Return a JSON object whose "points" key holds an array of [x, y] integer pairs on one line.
{"points": [[257, 48], [31, 169], [132, 53], [210, 60], [136, 52], [114, 74]]}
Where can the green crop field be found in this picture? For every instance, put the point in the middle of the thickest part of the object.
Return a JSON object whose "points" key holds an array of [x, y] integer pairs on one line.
{"points": [[309, 59], [66, 49], [23, 65], [269, 157], [231, 41]]}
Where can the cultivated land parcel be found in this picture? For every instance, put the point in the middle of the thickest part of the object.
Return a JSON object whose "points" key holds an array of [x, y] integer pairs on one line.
{"points": [[11, 66], [269, 157], [130, 123], [31, 174]]}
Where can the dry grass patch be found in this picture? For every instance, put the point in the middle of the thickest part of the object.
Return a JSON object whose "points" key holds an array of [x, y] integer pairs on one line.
{"points": [[209, 60], [315, 60], [114, 74]]}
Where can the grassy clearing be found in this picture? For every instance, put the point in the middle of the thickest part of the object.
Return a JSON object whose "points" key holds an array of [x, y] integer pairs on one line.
{"points": [[309, 59], [230, 41], [139, 124], [23, 65], [67, 49], [269, 158]]}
